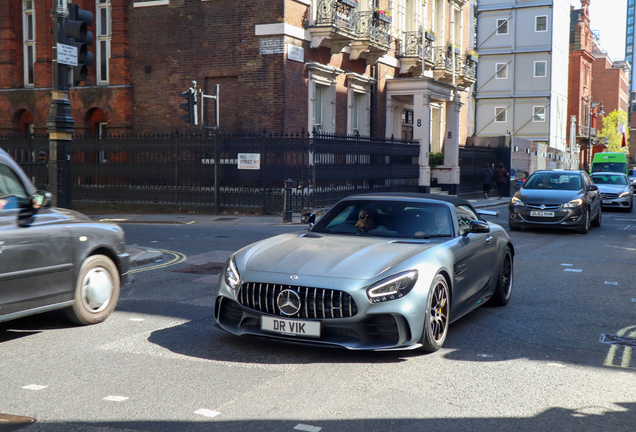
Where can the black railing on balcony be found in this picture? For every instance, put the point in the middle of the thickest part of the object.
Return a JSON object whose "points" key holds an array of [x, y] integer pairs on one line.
{"points": [[336, 13], [412, 44], [368, 26], [469, 69], [429, 52]]}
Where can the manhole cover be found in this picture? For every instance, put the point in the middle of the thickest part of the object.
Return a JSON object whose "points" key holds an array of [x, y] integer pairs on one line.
{"points": [[224, 219], [10, 422], [211, 268]]}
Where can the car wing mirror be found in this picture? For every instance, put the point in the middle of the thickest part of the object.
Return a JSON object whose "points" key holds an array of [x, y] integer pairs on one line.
{"points": [[517, 186], [488, 213], [308, 218], [41, 199], [478, 227], [593, 188]]}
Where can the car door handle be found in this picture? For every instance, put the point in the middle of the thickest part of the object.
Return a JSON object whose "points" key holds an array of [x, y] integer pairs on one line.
{"points": [[489, 239]]}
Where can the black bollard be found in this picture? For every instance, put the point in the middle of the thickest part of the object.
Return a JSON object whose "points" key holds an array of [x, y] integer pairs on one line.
{"points": [[287, 204]]}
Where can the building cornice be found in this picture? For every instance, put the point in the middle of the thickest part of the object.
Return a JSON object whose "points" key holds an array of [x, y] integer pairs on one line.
{"points": [[282, 29]]}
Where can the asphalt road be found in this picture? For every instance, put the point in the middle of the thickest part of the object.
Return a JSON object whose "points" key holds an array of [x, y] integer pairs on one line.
{"points": [[159, 364]]}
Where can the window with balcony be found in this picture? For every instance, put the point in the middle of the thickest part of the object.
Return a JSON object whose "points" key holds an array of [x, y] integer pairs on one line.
{"points": [[538, 114], [28, 37], [359, 102], [103, 28], [322, 97], [541, 23], [502, 70], [502, 26], [540, 69], [500, 114]]}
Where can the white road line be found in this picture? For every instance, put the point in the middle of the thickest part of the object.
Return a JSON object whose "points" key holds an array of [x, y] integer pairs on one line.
{"points": [[207, 412], [307, 428], [115, 398], [138, 319], [573, 270], [611, 283], [484, 355], [556, 364], [34, 387], [567, 265]]}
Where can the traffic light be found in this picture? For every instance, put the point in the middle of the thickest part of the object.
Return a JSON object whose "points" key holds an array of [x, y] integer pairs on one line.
{"points": [[189, 106], [77, 35]]}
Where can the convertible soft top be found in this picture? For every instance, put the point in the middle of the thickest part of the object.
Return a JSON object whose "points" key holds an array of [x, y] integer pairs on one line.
{"points": [[413, 195]]}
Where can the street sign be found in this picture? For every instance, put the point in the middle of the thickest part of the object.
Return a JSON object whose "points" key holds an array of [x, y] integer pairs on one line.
{"points": [[250, 161], [66, 54]]}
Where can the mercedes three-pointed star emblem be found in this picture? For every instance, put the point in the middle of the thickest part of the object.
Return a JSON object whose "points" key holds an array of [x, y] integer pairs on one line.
{"points": [[288, 302]]}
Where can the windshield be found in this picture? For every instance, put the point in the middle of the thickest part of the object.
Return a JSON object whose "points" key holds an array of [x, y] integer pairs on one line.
{"points": [[553, 181], [397, 219], [608, 167], [609, 179]]}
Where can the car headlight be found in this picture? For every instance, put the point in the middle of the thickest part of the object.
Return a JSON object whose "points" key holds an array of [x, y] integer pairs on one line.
{"points": [[517, 202], [232, 276], [392, 288], [573, 203], [625, 194]]}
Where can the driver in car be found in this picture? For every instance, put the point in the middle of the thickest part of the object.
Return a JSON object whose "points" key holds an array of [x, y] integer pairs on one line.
{"points": [[368, 221]]}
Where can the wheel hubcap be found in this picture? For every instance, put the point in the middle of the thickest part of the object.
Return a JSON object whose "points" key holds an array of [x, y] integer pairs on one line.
{"points": [[439, 312], [97, 289]]}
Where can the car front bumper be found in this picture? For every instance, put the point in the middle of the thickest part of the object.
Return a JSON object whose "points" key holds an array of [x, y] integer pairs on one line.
{"points": [[624, 202], [563, 217]]}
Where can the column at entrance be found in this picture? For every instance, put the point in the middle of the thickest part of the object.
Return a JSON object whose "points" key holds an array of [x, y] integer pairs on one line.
{"points": [[422, 132], [449, 175]]}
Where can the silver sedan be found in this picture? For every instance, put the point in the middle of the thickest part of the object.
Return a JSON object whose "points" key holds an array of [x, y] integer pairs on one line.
{"points": [[376, 272], [615, 189]]}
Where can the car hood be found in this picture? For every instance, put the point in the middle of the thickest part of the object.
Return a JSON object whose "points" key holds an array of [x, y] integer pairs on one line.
{"points": [[338, 256], [547, 196], [603, 188]]}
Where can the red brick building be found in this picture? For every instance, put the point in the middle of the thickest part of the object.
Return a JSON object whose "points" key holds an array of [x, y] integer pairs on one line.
{"points": [[580, 79], [106, 98]]}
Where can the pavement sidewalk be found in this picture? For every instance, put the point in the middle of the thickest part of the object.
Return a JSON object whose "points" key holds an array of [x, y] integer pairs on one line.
{"points": [[142, 255]]}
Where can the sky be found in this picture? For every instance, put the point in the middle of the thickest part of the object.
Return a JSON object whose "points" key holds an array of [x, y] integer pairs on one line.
{"points": [[608, 18]]}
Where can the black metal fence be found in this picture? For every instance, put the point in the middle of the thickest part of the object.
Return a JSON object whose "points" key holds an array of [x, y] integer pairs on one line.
{"points": [[179, 169]]}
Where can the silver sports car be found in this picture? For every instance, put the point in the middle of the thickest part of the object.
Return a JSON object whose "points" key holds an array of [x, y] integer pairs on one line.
{"points": [[376, 272]]}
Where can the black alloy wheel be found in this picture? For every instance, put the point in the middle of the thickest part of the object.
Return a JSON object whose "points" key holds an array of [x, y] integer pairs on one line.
{"points": [[597, 221], [437, 315], [502, 293]]}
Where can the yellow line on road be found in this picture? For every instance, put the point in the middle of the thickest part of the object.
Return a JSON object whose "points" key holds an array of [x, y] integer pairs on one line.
{"points": [[178, 258], [627, 351]]}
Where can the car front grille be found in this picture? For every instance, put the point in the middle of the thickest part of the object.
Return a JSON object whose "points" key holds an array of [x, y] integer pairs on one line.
{"points": [[545, 207], [609, 195], [314, 302]]}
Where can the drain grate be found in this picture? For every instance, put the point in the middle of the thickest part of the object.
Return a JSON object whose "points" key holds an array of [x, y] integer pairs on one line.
{"points": [[10, 422], [224, 219], [617, 340], [211, 268]]}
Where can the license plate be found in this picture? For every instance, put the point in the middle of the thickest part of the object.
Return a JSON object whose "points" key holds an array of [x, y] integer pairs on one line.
{"points": [[607, 201], [290, 327], [538, 213]]}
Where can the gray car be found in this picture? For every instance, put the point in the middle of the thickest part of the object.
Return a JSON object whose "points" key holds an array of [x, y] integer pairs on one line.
{"points": [[376, 272], [615, 189], [52, 258]]}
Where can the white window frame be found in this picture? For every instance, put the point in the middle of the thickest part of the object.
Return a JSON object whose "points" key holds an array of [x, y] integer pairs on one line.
{"points": [[360, 86], [504, 70], [103, 38], [322, 75], [535, 69], [29, 44], [505, 113], [536, 109], [536, 23], [499, 23]]}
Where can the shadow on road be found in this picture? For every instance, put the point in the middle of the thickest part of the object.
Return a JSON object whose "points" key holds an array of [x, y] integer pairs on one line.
{"points": [[592, 419]]}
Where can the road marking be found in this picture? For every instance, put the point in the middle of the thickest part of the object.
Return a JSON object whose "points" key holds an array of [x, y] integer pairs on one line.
{"points": [[634, 300], [484, 355], [307, 428], [628, 220], [573, 270], [178, 258], [138, 319], [115, 398], [556, 364], [567, 265], [190, 223], [34, 387], [611, 283], [207, 412], [627, 351]]}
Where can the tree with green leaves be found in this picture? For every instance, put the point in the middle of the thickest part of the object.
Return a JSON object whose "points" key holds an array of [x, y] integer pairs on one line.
{"points": [[611, 123]]}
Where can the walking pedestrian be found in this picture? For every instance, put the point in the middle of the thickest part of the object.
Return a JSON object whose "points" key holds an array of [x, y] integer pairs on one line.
{"points": [[486, 179], [501, 179]]}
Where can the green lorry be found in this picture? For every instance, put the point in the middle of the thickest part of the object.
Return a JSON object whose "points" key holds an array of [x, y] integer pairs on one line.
{"points": [[610, 162]]}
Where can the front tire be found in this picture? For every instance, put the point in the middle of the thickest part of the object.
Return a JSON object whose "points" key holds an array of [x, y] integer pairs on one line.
{"points": [[96, 291], [514, 227], [597, 222], [585, 228], [501, 297], [437, 315]]}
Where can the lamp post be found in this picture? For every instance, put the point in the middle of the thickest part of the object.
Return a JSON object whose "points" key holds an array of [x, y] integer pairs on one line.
{"points": [[593, 105]]}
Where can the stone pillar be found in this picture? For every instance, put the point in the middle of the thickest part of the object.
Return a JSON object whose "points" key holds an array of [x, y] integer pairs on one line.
{"points": [[390, 118], [422, 132], [451, 144]]}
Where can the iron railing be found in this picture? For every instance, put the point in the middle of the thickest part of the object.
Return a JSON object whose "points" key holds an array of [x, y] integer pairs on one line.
{"points": [[412, 44], [336, 13], [369, 26]]}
